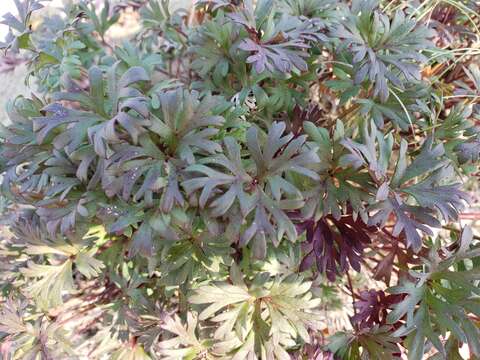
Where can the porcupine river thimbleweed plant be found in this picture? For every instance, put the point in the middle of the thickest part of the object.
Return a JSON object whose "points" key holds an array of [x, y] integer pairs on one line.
{"points": [[211, 186]]}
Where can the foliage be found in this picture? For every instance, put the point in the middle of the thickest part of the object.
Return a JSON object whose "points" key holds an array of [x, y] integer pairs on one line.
{"points": [[211, 186]]}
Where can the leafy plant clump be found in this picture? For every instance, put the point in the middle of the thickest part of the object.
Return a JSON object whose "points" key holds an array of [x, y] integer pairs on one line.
{"points": [[219, 184]]}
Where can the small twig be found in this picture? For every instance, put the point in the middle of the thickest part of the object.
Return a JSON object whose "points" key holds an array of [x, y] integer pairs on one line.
{"points": [[470, 216], [458, 231]]}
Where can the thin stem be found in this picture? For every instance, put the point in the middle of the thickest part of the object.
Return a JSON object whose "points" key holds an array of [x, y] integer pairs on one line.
{"points": [[352, 293]]}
